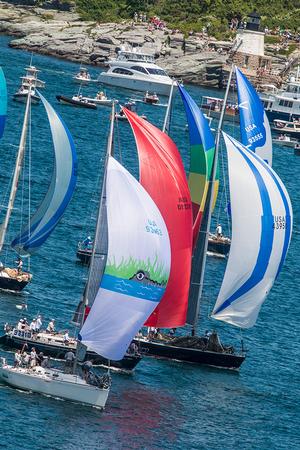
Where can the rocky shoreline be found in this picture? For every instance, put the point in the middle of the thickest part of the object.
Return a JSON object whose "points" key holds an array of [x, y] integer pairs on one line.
{"points": [[195, 59], [64, 35]]}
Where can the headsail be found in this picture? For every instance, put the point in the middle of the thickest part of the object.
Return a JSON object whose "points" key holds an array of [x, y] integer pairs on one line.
{"points": [[261, 232], [60, 190], [162, 175], [254, 124], [3, 102], [202, 148], [137, 268]]}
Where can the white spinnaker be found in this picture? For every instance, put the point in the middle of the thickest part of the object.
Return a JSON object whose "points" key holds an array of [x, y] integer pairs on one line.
{"points": [[261, 231], [117, 314]]}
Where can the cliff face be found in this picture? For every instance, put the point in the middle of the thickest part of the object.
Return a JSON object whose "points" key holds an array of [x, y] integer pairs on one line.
{"points": [[63, 34]]}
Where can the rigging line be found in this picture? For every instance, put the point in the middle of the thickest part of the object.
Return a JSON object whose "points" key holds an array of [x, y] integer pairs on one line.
{"points": [[29, 178], [119, 141]]}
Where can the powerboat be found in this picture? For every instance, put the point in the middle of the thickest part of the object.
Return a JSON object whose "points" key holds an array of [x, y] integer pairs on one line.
{"points": [[132, 69], [212, 107], [151, 99], [29, 82], [100, 100], [76, 100], [82, 76], [285, 141], [282, 104], [131, 105], [56, 383], [285, 128]]}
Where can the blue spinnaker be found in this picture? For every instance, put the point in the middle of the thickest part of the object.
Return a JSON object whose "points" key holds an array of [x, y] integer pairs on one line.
{"points": [[60, 190]]}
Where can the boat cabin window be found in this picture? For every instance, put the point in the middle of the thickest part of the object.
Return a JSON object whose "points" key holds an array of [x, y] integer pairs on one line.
{"points": [[122, 71], [295, 89], [156, 71], [139, 69], [286, 103]]}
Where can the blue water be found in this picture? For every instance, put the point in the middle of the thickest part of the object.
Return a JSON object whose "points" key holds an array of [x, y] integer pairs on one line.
{"points": [[164, 405]]}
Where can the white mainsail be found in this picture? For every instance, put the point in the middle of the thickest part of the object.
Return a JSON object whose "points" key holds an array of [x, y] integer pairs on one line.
{"points": [[137, 268], [261, 232]]}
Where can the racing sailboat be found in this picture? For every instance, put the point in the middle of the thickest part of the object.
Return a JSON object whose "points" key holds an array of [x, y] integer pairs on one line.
{"points": [[128, 274], [211, 351], [51, 209]]}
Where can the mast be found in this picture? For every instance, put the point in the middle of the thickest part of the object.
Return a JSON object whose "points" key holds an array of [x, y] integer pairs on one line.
{"points": [[100, 246], [17, 171], [166, 125], [99, 252], [193, 312]]}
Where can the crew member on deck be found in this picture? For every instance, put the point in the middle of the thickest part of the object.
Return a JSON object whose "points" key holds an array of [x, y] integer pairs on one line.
{"points": [[51, 327], [32, 326], [70, 358], [219, 231], [66, 338], [38, 323], [19, 265]]}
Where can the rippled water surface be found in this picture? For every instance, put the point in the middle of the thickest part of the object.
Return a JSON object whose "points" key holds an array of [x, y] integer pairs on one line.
{"points": [[164, 404]]}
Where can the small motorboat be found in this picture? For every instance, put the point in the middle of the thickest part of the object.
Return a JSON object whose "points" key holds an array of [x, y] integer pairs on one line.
{"points": [[151, 99], [56, 383], [285, 141], [76, 100], [131, 105], [29, 82], [285, 127], [82, 76], [218, 246], [100, 100]]}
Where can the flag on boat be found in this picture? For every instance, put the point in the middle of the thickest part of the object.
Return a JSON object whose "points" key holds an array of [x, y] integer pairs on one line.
{"points": [[202, 150], [254, 124], [60, 191], [3, 102], [261, 233], [162, 175], [137, 268]]}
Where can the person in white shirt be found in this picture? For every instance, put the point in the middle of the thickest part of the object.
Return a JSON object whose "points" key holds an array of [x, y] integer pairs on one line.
{"points": [[18, 358], [219, 230], [38, 323], [32, 326], [50, 327], [33, 357], [66, 337]]}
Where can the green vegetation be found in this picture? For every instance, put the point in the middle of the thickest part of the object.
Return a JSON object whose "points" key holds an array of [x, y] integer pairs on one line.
{"points": [[188, 15], [128, 268]]}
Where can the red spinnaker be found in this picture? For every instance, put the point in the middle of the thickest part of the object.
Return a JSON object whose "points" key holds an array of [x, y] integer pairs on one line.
{"points": [[162, 175]]}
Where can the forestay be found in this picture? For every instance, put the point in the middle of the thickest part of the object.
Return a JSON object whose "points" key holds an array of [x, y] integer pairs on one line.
{"points": [[254, 124], [60, 190], [3, 102], [261, 233], [137, 268], [162, 175]]}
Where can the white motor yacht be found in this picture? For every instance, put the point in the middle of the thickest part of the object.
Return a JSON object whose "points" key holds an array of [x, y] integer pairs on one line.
{"points": [[132, 69], [282, 104], [56, 384]]}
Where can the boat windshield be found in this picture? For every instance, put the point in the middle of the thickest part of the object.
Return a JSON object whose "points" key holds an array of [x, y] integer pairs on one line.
{"points": [[153, 71], [139, 69]]}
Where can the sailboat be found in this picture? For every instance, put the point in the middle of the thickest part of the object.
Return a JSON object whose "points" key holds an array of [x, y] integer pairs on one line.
{"points": [[128, 275], [60, 191], [29, 83], [248, 288]]}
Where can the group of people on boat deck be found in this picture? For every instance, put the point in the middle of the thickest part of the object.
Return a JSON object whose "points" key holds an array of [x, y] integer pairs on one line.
{"points": [[34, 326], [30, 360]]}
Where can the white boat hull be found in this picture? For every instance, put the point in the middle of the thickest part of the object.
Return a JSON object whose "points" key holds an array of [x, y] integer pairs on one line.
{"points": [[54, 384], [135, 84]]}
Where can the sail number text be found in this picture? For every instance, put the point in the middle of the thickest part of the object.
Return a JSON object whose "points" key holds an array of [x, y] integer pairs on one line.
{"points": [[152, 227], [279, 222]]}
